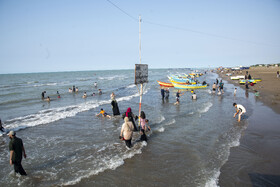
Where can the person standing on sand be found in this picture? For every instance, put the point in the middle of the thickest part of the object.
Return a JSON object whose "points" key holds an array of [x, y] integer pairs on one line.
{"points": [[249, 77], [240, 110], [16, 149], [277, 74]]}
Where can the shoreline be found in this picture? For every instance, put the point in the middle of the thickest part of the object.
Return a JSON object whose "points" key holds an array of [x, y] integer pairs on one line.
{"points": [[269, 87], [256, 161]]}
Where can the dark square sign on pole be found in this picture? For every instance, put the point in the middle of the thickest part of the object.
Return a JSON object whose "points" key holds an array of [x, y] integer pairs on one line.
{"points": [[141, 73]]}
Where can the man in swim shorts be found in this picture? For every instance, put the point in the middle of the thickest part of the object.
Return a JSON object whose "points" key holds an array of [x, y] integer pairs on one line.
{"points": [[240, 110]]}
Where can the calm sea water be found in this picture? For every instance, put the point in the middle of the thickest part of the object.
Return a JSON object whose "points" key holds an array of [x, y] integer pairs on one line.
{"points": [[66, 144]]}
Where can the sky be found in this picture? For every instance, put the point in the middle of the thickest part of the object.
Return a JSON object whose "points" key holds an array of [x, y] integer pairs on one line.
{"points": [[72, 35]]}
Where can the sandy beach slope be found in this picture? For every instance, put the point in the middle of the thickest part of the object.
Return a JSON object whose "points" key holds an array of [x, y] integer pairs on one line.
{"points": [[269, 87], [256, 161]]}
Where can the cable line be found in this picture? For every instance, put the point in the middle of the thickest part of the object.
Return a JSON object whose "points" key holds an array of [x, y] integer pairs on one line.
{"points": [[191, 30], [135, 19]]}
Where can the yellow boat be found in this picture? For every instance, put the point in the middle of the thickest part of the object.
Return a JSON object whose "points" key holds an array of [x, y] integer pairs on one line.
{"points": [[186, 86], [173, 81]]}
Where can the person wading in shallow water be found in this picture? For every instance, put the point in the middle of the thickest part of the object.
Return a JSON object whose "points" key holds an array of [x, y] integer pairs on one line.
{"points": [[126, 132], [240, 110], [16, 149]]}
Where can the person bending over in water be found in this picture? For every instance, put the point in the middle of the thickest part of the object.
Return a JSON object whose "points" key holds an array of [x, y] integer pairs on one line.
{"points": [[240, 110], [104, 114], [144, 126], [127, 132]]}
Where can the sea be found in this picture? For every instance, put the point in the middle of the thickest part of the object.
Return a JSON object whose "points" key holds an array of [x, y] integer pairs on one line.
{"points": [[68, 145]]}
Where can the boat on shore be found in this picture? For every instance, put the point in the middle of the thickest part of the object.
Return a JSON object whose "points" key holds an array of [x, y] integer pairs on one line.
{"points": [[237, 77], [189, 86], [165, 84]]}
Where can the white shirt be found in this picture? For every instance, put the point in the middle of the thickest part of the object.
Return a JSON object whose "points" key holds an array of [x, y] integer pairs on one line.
{"points": [[241, 108]]}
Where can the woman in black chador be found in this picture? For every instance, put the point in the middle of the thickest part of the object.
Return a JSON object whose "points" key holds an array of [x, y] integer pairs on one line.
{"points": [[115, 107]]}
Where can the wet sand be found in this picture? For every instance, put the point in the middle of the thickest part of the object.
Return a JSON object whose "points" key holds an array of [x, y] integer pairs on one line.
{"points": [[269, 87], [256, 161]]}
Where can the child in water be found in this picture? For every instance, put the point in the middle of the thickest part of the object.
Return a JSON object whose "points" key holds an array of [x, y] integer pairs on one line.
{"points": [[235, 90], [144, 126], [104, 114]]}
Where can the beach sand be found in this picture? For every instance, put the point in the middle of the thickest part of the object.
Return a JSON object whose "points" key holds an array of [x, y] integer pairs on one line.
{"points": [[256, 161], [269, 87]]}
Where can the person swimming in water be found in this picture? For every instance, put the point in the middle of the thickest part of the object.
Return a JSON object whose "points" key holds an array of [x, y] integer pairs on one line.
{"points": [[48, 99], [104, 114], [85, 95], [99, 91]]}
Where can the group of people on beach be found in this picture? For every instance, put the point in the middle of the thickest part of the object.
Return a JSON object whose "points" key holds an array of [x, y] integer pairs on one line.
{"points": [[129, 125], [165, 95], [218, 86], [70, 90]]}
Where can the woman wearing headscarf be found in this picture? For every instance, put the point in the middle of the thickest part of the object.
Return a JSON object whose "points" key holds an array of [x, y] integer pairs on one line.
{"points": [[126, 132], [114, 105], [131, 117]]}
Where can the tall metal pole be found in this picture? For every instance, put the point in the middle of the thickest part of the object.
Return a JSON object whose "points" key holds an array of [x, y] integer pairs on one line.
{"points": [[140, 38], [141, 87]]}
